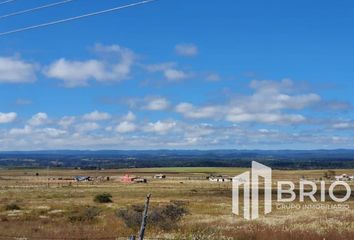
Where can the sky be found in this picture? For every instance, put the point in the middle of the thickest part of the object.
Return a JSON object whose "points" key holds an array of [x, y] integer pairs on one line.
{"points": [[178, 74]]}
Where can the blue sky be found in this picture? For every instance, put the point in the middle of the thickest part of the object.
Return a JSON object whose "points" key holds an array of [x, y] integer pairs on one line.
{"points": [[178, 74]]}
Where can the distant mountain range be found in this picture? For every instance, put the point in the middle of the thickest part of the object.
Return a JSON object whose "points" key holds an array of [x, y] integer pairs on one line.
{"points": [[282, 159]]}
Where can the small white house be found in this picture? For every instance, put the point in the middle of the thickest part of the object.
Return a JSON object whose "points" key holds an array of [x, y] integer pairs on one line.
{"points": [[160, 176], [220, 179], [344, 177]]}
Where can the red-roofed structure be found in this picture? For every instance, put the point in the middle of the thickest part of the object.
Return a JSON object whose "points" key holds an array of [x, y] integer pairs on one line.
{"points": [[127, 179]]}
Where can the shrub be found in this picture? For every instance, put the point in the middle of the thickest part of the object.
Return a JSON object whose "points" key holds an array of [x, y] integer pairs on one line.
{"points": [[164, 217], [12, 206], [168, 216], [131, 216], [87, 214], [330, 174], [103, 198]]}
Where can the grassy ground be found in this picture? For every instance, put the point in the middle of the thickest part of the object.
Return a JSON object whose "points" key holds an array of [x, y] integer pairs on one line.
{"points": [[46, 209]]}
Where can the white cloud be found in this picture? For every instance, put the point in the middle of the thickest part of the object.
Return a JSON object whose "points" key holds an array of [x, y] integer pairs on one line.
{"points": [[66, 121], [167, 134], [225, 124], [21, 131], [79, 73], [130, 116], [263, 130], [188, 50], [125, 127], [213, 77], [127, 124], [344, 125], [175, 75], [152, 103], [76, 73], [159, 67], [199, 130], [266, 105], [156, 103], [110, 49], [39, 119], [87, 127], [190, 111], [29, 131], [14, 70], [169, 70], [97, 116], [160, 126], [266, 118], [269, 95], [7, 117], [53, 132]]}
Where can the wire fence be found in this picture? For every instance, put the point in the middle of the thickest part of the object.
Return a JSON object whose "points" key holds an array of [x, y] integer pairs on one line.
{"points": [[60, 238], [74, 238]]}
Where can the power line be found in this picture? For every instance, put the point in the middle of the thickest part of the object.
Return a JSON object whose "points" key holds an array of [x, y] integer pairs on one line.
{"points": [[75, 18], [8, 1], [34, 9]]}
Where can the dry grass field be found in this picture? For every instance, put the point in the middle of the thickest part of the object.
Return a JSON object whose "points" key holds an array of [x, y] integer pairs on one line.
{"points": [[31, 207]]}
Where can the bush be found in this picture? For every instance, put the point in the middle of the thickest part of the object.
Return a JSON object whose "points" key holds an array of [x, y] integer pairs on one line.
{"points": [[164, 217], [131, 216], [87, 214], [167, 217], [12, 206], [103, 198]]}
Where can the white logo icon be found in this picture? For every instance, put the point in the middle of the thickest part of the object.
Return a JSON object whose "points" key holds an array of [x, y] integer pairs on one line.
{"points": [[260, 174], [250, 182]]}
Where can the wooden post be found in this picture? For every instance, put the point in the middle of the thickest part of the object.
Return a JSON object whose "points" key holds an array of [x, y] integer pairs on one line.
{"points": [[144, 219], [47, 176]]}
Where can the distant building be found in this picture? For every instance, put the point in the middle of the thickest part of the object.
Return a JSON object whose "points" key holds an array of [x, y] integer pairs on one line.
{"points": [[220, 179], [132, 179], [127, 179], [83, 178], [140, 180], [344, 177], [160, 176]]}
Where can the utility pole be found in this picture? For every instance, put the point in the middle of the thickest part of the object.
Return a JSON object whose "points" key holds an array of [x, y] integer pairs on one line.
{"points": [[145, 216]]}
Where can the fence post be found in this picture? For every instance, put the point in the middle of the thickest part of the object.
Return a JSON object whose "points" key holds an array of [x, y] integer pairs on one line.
{"points": [[144, 219]]}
